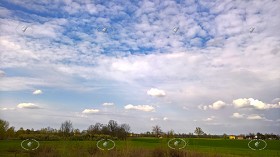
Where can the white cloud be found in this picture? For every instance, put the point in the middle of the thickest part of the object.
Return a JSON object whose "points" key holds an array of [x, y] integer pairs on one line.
{"points": [[209, 118], [108, 104], [237, 115], [255, 117], [185, 108], [28, 106], [37, 92], [5, 108], [153, 119], [165, 118], [253, 103], [203, 74], [146, 108], [156, 92], [239, 103], [201, 107], [276, 100], [90, 111], [156, 119], [217, 105]]}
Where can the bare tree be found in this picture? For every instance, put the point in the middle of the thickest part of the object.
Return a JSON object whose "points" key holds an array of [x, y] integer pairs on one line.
{"points": [[170, 133], [123, 131], [95, 129], [113, 127], [198, 131], [66, 128], [125, 127], [157, 130]]}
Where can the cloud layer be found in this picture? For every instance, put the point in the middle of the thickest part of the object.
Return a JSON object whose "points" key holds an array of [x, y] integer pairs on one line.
{"points": [[127, 52]]}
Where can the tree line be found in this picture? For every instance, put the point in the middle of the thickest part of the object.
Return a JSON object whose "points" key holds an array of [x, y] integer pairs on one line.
{"points": [[111, 130], [67, 131]]}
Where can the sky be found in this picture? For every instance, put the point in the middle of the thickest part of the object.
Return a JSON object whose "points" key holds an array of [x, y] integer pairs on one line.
{"points": [[177, 64]]}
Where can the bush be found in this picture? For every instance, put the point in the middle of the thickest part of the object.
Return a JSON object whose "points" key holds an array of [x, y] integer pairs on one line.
{"points": [[40, 137]]}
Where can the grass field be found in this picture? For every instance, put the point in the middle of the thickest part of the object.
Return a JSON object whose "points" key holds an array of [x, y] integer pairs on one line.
{"points": [[142, 147]]}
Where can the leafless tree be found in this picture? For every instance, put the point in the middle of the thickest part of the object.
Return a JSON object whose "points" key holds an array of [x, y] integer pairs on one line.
{"points": [[157, 130], [198, 131], [66, 128]]}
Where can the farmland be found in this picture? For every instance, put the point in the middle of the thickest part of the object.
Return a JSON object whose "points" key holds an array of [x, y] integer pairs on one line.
{"points": [[142, 147]]}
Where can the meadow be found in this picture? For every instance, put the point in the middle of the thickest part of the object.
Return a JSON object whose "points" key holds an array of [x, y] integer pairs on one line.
{"points": [[141, 147]]}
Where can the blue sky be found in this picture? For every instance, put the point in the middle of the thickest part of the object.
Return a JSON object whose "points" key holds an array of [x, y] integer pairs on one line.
{"points": [[93, 61]]}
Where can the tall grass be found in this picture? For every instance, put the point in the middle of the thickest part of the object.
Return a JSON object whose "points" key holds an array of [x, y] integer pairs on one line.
{"points": [[48, 151]]}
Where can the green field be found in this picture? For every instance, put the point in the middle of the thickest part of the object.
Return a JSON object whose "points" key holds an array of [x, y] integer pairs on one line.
{"points": [[142, 147]]}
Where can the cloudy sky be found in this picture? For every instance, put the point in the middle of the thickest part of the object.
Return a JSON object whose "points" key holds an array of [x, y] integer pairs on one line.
{"points": [[179, 64]]}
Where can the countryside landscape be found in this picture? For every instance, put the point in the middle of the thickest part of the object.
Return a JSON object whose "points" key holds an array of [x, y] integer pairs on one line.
{"points": [[70, 142], [139, 78]]}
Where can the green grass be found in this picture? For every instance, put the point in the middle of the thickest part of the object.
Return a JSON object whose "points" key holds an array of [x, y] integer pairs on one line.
{"points": [[140, 146]]}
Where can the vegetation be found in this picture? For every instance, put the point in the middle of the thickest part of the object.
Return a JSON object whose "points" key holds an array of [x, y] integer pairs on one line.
{"points": [[141, 147], [71, 142], [4, 125]]}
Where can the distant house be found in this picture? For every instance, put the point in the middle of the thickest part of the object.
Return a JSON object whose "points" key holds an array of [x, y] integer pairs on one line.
{"points": [[232, 137], [240, 137], [134, 135]]}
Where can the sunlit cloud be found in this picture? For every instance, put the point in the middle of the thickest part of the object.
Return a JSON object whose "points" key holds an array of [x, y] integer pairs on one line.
{"points": [[255, 117], [146, 108], [37, 92], [237, 115], [28, 106], [90, 111], [215, 106], [156, 92], [209, 119], [6, 109], [153, 119], [253, 103]]}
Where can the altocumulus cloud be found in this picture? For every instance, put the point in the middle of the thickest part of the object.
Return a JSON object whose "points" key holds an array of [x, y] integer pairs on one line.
{"points": [[28, 106], [90, 111], [146, 108], [156, 92]]}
